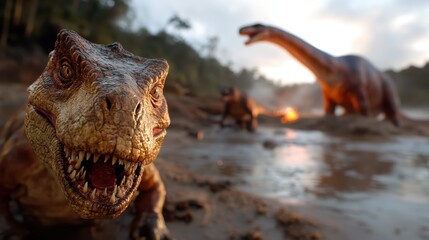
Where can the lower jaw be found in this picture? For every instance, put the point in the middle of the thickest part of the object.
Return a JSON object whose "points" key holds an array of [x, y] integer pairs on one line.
{"points": [[90, 209], [101, 206]]}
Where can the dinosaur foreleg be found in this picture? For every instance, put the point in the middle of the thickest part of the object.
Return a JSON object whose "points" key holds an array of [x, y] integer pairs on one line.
{"points": [[224, 115], [329, 105], [252, 124], [9, 228], [16, 164], [149, 223], [359, 102]]}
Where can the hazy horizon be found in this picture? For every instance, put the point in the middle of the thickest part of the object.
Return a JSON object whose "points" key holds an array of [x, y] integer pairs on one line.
{"points": [[392, 34]]}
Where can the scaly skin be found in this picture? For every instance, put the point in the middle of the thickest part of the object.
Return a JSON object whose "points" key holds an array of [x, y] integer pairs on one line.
{"points": [[242, 109], [95, 121], [348, 81]]}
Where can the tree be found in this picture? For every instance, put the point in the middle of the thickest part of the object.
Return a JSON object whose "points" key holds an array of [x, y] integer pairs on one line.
{"points": [[31, 18], [6, 23], [211, 47], [178, 23]]}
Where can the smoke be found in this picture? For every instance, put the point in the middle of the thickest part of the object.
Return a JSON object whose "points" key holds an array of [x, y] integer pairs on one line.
{"points": [[306, 98], [263, 94]]}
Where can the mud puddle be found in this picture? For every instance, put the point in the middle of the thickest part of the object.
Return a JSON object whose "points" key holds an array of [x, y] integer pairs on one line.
{"points": [[358, 188]]}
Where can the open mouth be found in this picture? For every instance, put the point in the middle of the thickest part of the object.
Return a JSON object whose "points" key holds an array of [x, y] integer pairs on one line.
{"points": [[97, 184], [102, 179], [251, 35]]}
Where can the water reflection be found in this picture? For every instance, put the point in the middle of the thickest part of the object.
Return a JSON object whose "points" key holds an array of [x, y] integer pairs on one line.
{"points": [[381, 182], [351, 171], [308, 165]]}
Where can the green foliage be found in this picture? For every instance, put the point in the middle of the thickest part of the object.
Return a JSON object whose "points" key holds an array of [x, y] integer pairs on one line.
{"points": [[413, 85]]}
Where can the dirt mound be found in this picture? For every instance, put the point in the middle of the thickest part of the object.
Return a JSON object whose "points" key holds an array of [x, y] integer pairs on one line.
{"points": [[358, 125]]}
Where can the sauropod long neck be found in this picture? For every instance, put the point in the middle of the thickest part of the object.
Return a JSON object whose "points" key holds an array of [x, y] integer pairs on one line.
{"points": [[320, 63]]}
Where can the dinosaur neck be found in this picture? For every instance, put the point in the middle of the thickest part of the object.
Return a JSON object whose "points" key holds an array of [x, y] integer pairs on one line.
{"points": [[320, 63]]}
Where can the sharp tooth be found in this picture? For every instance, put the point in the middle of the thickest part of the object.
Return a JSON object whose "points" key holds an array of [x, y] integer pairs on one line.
{"points": [[83, 175], [66, 152], [88, 156], [113, 198], [131, 168], [81, 171], [106, 157], [69, 169], [96, 157], [120, 194], [85, 187], [77, 165], [115, 190], [129, 182], [127, 166], [93, 193], [71, 157], [81, 156], [123, 180], [73, 174], [114, 160], [121, 162], [105, 192]]}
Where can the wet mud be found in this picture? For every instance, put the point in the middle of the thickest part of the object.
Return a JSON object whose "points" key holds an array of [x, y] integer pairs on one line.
{"points": [[317, 178]]}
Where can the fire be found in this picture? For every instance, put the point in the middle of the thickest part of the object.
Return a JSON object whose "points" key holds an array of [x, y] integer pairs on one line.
{"points": [[289, 114]]}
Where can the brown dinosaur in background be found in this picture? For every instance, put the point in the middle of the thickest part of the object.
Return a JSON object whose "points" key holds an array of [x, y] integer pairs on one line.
{"points": [[95, 121], [242, 109], [349, 81]]}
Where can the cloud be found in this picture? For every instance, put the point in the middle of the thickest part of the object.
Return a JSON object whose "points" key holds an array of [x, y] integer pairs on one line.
{"points": [[392, 29], [390, 33]]}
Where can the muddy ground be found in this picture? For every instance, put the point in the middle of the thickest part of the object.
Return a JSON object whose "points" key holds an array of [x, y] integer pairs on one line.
{"points": [[209, 206]]}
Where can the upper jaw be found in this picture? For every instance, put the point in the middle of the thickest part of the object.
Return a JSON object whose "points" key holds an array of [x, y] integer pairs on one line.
{"points": [[98, 185], [251, 34], [81, 167], [101, 196]]}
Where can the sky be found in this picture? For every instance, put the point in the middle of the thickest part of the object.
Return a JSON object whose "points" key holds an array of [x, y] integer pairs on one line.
{"points": [[392, 34]]}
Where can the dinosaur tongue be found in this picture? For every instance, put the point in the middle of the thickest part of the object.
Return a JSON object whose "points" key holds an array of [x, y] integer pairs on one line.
{"points": [[101, 175]]}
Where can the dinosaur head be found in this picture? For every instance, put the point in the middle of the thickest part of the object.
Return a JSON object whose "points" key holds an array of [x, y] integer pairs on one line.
{"points": [[96, 116], [255, 32], [230, 94]]}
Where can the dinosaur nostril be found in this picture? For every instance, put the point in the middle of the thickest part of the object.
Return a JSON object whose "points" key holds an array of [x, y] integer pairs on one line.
{"points": [[108, 104], [138, 109]]}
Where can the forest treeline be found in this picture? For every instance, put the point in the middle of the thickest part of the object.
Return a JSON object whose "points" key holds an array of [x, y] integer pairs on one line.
{"points": [[31, 25], [413, 85]]}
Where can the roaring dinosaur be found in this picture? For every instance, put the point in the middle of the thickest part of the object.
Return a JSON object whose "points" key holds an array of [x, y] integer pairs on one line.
{"points": [[349, 81], [242, 109], [95, 121]]}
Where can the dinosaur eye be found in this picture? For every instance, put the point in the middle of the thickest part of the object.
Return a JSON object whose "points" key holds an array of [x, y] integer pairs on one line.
{"points": [[66, 71], [156, 93]]}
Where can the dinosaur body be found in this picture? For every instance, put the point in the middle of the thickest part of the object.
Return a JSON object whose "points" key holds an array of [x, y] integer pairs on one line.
{"points": [[242, 109], [94, 123], [348, 81]]}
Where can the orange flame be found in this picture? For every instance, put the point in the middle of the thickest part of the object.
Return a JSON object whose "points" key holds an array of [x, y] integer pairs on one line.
{"points": [[289, 114]]}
